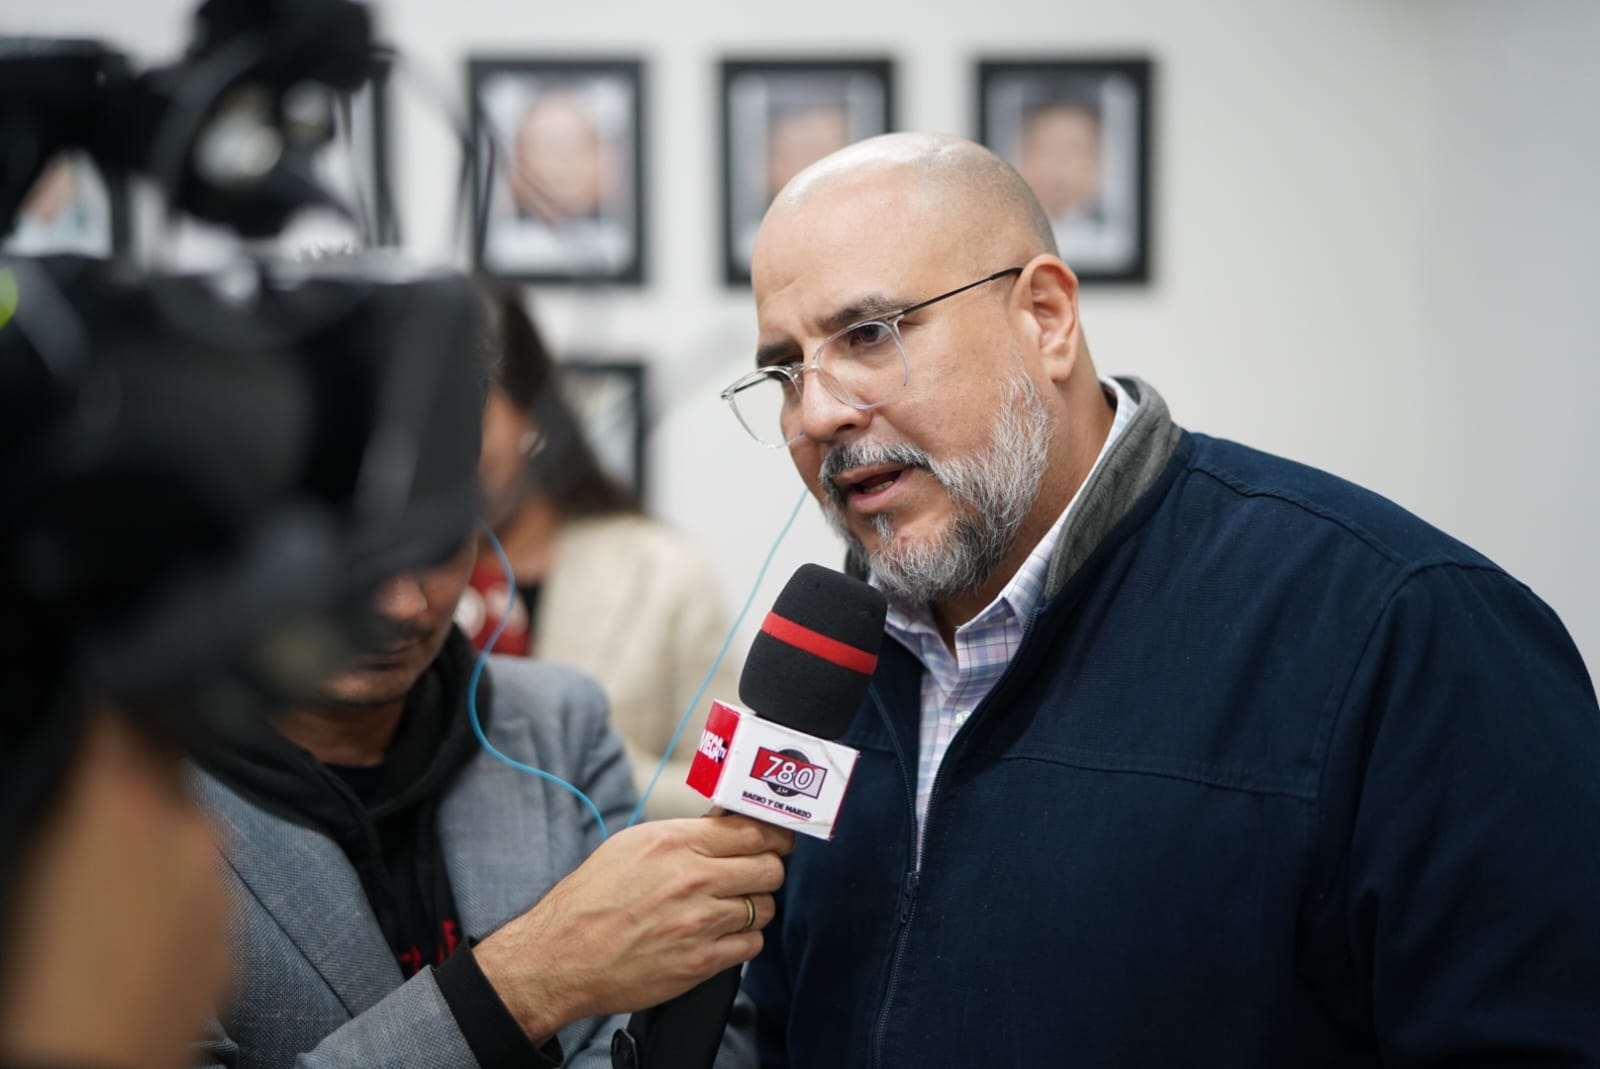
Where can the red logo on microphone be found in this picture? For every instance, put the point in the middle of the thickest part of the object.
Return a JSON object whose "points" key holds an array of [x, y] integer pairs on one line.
{"points": [[788, 773], [713, 746]]}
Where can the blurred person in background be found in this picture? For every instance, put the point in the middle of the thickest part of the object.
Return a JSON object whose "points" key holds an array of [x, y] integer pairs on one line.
{"points": [[599, 585], [114, 920]]}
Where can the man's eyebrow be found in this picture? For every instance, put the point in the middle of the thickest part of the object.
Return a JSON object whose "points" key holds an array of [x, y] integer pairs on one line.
{"points": [[780, 352], [868, 307]]}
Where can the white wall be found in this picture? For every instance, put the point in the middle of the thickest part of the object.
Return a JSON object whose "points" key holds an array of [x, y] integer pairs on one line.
{"points": [[1377, 245]]}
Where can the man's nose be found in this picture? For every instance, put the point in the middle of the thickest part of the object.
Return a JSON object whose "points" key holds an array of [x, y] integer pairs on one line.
{"points": [[400, 598], [822, 416]]}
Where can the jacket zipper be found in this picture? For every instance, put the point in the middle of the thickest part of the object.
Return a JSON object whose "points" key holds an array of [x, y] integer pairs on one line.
{"points": [[908, 902], [908, 897], [908, 885]]}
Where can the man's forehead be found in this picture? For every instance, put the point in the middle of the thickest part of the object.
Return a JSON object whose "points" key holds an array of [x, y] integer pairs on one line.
{"points": [[820, 291], [850, 247], [830, 299]]}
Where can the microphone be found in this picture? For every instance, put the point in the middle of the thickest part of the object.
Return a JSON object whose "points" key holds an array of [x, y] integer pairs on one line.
{"points": [[807, 673], [809, 666]]}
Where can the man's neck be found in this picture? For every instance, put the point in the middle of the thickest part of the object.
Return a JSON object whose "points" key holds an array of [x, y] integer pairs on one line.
{"points": [[355, 736]]}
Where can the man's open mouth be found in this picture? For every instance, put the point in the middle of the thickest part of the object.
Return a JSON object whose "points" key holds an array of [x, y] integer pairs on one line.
{"points": [[865, 484], [876, 484]]}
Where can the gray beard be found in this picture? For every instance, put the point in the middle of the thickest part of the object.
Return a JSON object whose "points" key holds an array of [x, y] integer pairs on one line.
{"points": [[993, 491]]}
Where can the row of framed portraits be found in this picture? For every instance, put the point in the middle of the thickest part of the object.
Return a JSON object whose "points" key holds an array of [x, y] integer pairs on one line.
{"points": [[560, 162], [560, 179]]}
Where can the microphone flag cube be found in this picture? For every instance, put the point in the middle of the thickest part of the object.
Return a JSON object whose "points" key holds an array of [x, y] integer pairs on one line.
{"points": [[770, 772]]}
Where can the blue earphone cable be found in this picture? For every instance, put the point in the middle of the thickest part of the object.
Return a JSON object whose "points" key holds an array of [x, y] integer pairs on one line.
{"points": [[477, 673]]}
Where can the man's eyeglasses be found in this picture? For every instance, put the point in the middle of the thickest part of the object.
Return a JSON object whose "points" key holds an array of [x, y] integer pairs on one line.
{"points": [[864, 365]]}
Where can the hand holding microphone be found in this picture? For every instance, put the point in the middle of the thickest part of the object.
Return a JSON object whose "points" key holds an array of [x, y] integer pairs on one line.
{"points": [[654, 909], [806, 675]]}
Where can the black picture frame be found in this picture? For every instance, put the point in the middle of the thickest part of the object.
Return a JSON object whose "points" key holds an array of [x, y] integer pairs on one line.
{"points": [[779, 114], [1079, 130], [609, 398], [76, 207], [573, 210]]}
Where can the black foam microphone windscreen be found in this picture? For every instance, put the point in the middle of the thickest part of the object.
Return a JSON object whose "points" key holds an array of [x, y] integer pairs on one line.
{"points": [[809, 667]]}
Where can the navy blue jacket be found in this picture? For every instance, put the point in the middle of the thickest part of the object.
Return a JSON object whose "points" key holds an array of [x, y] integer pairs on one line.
{"points": [[1280, 776]]}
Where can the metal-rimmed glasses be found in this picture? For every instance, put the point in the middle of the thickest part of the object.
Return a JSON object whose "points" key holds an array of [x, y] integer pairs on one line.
{"points": [[864, 366]]}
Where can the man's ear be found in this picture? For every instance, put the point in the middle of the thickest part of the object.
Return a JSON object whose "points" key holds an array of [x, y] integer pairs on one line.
{"points": [[1050, 293]]}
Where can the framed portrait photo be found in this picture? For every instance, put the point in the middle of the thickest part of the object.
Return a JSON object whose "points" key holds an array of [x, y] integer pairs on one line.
{"points": [[608, 397], [1078, 130], [780, 116], [73, 207], [558, 183]]}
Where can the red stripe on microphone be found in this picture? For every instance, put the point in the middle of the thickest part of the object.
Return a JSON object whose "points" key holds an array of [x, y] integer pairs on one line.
{"points": [[819, 645]]}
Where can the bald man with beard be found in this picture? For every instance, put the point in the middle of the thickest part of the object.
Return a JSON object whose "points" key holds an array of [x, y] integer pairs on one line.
{"points": [[1179, 753]]}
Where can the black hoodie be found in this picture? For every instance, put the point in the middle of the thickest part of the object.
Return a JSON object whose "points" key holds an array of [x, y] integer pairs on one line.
{"points": [[383, 817]]}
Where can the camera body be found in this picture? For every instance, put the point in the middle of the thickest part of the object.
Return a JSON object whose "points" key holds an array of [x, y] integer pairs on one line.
{"points": [[203, 478]]}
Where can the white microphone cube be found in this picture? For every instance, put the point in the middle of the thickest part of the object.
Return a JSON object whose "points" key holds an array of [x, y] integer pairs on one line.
{"points": [[753, 766]]}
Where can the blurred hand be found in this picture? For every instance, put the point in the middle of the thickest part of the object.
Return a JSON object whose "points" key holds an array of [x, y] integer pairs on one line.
{"points": [[656, 909], [118, 950]]}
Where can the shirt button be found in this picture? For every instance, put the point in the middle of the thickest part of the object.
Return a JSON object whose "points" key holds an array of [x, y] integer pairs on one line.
{"points": [[961, 717]]}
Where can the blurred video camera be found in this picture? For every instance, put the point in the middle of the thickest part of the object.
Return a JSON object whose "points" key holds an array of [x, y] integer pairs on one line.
{"points": [[203, 477]]}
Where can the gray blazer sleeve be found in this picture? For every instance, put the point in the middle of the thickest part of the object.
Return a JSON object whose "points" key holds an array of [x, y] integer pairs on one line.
{"points": [[410, 1027]]}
